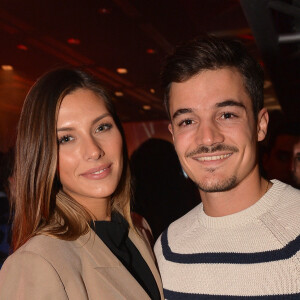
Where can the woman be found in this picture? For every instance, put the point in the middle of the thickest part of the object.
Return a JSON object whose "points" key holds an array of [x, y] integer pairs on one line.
{"points": [[73, 236]]}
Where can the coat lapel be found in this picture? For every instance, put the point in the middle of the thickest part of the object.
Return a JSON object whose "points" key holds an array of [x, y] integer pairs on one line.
{"points": [[100, 254], [147, 254], [109, 267]]}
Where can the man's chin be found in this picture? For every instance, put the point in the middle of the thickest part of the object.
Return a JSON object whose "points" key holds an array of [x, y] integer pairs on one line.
{"points": [[217, 186]]}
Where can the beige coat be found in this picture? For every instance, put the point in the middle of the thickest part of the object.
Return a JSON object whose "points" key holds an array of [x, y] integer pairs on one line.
{"points": [[49, 268]]}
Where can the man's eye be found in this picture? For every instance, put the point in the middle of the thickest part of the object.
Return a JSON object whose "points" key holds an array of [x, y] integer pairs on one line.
{"points": [[65, 139], [103, 127], [186, 122], [228, 116]]}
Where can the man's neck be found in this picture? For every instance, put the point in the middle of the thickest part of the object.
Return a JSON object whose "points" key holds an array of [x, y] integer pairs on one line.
{"points": [[242, 196]]}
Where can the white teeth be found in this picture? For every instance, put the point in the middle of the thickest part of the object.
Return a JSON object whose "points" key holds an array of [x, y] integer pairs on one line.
{"points": [[215, 157], [99, 172]]}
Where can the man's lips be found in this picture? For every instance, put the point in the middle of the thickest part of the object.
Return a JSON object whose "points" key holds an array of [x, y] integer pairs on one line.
{"points": [[209, 152], [212, 157], [96, 171]]}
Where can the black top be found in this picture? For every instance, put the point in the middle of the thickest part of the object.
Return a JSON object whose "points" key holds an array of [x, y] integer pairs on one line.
{"points": [[114, 234]]}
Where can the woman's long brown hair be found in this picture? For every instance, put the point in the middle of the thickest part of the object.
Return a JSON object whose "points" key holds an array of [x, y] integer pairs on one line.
{"points": [[37, 205]]}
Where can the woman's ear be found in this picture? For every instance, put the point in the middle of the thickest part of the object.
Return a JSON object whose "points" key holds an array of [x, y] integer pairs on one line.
{"points": [[262, 124]]}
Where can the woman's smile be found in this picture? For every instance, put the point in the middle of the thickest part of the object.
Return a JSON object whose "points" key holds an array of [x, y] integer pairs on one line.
{"points": [[98, 173]]}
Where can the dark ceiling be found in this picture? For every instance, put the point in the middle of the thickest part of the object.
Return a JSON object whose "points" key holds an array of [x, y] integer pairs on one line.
{"points": [[103, 35]]}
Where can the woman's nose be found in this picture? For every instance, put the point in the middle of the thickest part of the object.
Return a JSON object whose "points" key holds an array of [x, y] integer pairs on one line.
{"points": [[92, 149]]}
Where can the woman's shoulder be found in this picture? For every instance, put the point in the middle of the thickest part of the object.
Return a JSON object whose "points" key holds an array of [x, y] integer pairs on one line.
{"points": [[44, 248], [44, 244], [36, 250], [32, 266]]}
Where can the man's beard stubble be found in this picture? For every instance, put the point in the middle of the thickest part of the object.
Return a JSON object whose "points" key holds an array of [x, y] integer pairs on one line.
{"points": [[222, 185]]}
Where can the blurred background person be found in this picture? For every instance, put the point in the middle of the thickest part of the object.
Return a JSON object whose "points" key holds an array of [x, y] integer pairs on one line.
{"points": [[162, 193], [296, 164], [6, 169], [277, 149]]}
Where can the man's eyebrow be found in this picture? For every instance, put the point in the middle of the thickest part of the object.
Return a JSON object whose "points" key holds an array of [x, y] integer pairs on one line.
{"points": [[93, 123], [219, 104], [181, 111], [230, 103]]}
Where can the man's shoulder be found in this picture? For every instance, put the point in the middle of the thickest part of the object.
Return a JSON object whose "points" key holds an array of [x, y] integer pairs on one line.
{"points": [[287, 207], [180, 227], [185, 223], [288, 195]]}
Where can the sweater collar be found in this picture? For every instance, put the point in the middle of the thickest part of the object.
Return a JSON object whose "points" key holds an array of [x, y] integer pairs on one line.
{"points": [[264, 204]]}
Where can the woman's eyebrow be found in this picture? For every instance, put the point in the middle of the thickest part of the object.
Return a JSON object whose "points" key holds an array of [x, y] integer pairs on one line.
{"points": [[93, 122], [100, 117], [65, 129]]}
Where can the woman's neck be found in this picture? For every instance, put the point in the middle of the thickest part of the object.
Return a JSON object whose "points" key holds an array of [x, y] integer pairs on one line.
{"points": [[99, 209]]}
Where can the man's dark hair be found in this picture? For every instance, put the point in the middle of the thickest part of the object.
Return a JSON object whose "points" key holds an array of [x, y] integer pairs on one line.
{"points": [[211, 53]]}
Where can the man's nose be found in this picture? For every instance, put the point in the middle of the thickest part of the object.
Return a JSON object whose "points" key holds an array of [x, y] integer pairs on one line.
{"points": [[209, 133]]}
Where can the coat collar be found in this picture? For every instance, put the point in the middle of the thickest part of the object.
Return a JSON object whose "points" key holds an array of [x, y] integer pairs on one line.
{"points": [[102, 257], [100, 254]]}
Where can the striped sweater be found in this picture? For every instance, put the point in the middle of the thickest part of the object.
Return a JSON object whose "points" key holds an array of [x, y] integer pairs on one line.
{"points": [[253, 254]]}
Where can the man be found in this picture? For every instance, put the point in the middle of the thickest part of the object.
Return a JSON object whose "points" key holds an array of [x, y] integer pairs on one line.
{"points": [[243, 241], [278, 155], [296, 164]]}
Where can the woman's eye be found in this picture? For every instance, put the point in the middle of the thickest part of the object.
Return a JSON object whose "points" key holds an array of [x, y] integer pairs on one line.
{"points": [[65, 139], [103, 127], [186, 122]]}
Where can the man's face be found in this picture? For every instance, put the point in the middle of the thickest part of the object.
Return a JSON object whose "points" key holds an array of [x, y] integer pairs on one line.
{"points": [[214, 130]]}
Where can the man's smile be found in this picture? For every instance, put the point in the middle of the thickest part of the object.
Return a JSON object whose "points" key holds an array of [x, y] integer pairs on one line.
{"points": [[213, 157]]}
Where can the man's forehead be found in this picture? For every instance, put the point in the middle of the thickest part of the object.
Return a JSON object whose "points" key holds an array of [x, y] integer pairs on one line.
{"points": [[224, 79], [209, 89]]}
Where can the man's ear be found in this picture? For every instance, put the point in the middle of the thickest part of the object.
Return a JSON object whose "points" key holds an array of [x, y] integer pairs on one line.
{"points": [[262, 124], [171, 130]]}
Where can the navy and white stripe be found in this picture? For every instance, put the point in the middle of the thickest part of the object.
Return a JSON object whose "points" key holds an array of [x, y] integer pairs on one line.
{"points": [[186, 296], [253, 254], [285, 252]]}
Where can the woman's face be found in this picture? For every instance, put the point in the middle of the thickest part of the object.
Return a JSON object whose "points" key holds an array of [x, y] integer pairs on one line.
{"points": [[90, 149]]}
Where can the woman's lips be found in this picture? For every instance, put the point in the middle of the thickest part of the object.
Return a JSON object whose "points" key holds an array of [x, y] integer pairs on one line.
{"points": [[97, 173]]}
